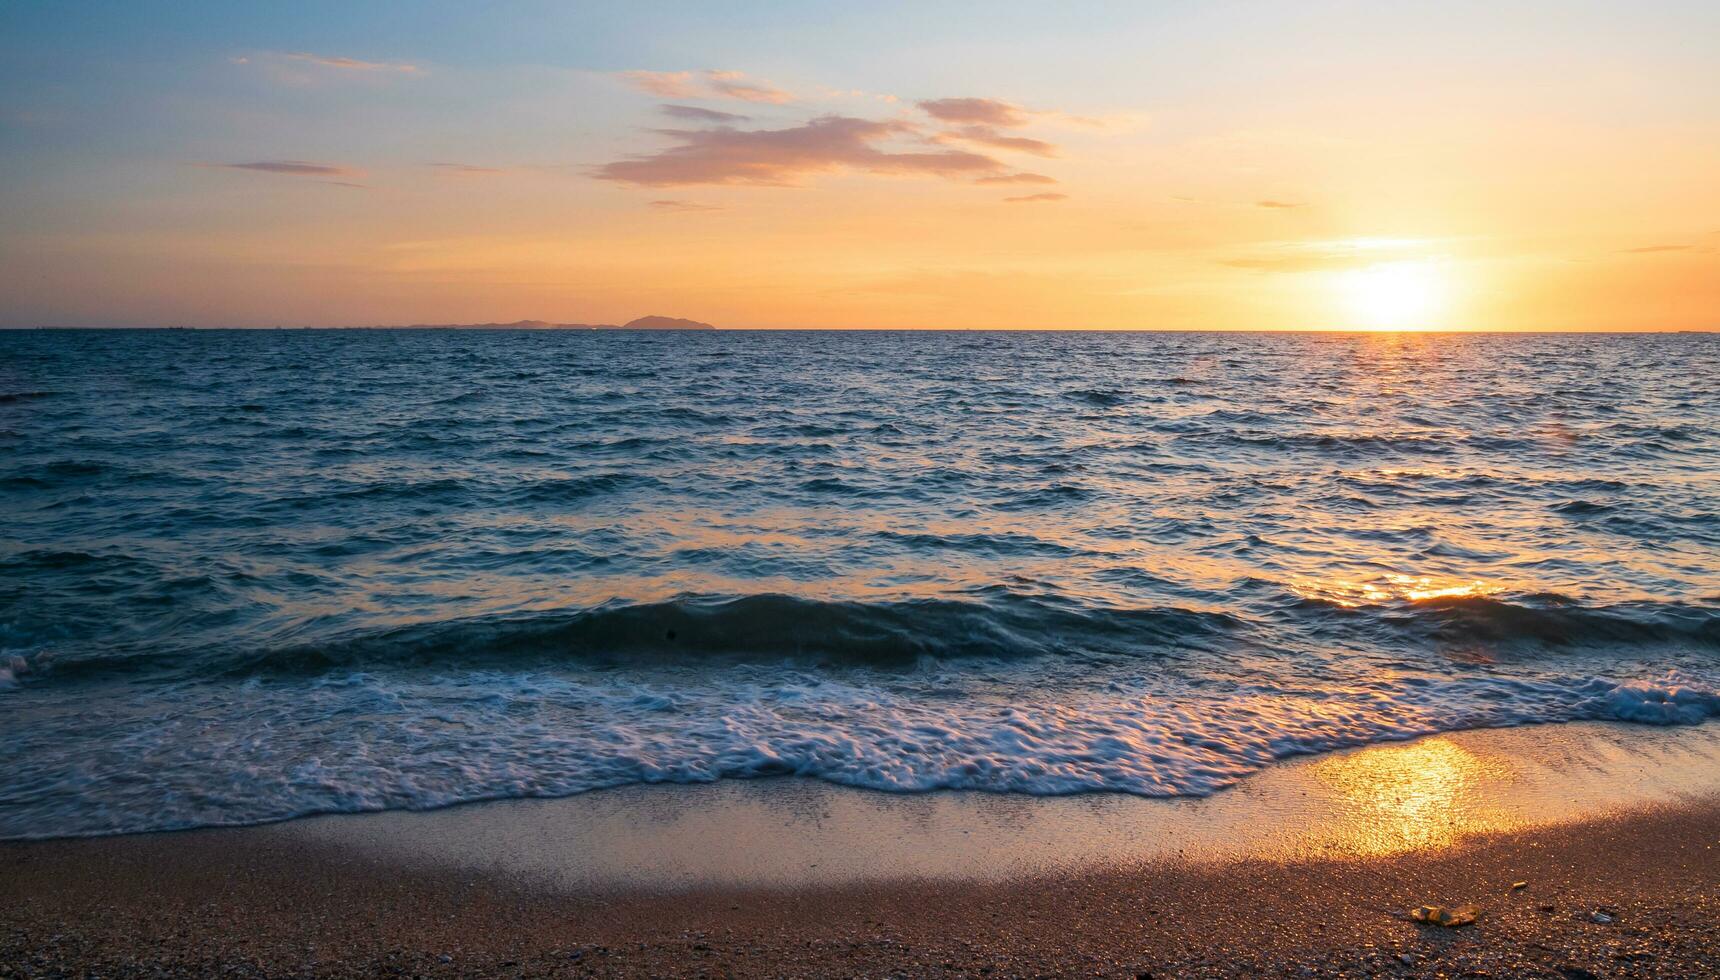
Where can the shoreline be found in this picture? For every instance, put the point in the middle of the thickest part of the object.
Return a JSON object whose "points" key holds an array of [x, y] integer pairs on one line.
{"points": [[789, 832], [436, 893]]}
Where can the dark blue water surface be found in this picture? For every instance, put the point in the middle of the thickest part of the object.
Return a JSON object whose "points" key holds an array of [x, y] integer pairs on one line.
{"points": [[249, 575]]}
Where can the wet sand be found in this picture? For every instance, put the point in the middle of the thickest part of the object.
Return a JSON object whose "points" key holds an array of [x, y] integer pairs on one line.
{"points": [[1308, 869]]}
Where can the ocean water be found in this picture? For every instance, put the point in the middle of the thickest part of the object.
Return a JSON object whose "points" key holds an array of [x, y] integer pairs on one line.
{"points": [[251, 575]]}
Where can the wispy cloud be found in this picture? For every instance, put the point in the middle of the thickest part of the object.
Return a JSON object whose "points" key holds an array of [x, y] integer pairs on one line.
{"points": [[708, 84], [684, 206], [664, 84], [1650, 249], [1020, 178], [700, 114], [988, 136], [351, 64], [784, 156], [1291, 263], [306, 68], [467, 169], [735, 85], [1028, 198], [294, 168], [321, 173], [1278, 205], [979, 112], [1316, 256]]}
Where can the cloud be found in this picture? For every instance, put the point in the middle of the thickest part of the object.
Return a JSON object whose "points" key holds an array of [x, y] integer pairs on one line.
{"points": [[701, 115], [1020, 178], [734, 85], [1291, 263], [1320, 256], [705, 85], [294, 168], [1279, 205], [348, 64], [782, 156], [1115, 122], [467, 169], [1037, 197], [684, 206], [665, 84], [988, 136], [1650, 249], [979, 112]]}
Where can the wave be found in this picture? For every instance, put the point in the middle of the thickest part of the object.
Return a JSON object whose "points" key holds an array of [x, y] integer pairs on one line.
{"points": [[1481, 619], [1099, 397], [761, 628], [1543, 620], [687, 629], [1002, 623], [483, 735], [15, 397]]}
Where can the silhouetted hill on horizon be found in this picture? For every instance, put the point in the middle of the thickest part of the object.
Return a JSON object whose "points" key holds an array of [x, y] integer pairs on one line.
{"points": [[641, 323]]}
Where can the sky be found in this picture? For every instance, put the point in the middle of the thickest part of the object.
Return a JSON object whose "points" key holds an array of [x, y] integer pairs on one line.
{"points": [[1147, 165]]}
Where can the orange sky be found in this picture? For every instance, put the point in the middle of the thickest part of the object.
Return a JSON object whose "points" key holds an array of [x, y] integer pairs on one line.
{"points": [[1314, 166]]}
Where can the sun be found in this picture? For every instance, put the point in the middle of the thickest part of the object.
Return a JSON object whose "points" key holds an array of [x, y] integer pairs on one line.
{"points": [[1400, 295]]}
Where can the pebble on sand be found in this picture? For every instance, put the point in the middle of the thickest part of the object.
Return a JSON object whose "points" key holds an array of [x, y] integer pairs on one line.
{"points": [[1440, 915]]}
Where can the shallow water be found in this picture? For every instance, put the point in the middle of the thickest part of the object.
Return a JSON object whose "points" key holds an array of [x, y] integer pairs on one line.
{"points": [[250, 575]]}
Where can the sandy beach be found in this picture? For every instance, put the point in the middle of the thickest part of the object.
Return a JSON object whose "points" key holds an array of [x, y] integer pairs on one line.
{"points": [[1310, 869]]}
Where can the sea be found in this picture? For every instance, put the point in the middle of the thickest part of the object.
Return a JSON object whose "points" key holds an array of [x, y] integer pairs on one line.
{"points": [[248, 575]]}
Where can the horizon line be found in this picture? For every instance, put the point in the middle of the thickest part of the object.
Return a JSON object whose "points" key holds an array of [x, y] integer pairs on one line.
{"points": [[582, 329]]}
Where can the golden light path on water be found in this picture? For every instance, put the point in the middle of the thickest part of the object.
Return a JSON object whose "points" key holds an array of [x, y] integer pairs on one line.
{"points": [[1395, 587]]}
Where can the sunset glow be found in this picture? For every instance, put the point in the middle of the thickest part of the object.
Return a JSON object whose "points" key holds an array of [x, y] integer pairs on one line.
{"points": [[1181, 167], [1394, 296]]}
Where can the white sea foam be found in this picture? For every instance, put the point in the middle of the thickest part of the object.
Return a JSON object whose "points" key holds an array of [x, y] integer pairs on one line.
{"points": [[11, 667], [212, 754]]}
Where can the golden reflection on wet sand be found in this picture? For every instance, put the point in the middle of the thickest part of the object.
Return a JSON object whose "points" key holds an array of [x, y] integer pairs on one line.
{"points": [[1395, 798]]}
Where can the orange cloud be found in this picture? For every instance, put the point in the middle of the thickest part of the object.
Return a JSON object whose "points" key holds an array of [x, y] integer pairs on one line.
{"points": [[684, 206], [1278, 205], [782, 156], [1019, 178], [705, 85], [665, 84], [733, 85], [988, 136], [1318, 256], [1037, 197], [979, 112]]}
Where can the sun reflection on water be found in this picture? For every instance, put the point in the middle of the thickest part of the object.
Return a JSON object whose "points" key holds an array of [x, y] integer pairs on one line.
{"points": [[1393, 588], [1411, 797]]}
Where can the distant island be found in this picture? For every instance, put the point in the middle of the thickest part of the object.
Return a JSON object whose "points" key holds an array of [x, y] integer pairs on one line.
{"points": [[642, 323]]}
